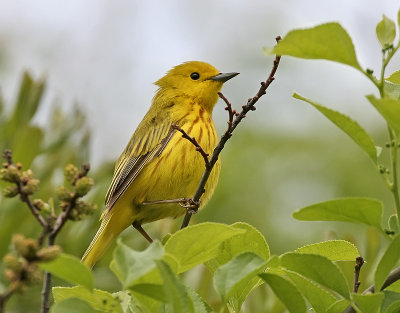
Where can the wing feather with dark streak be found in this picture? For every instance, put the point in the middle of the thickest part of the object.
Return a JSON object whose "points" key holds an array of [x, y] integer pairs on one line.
{"points": [[140, 151]]}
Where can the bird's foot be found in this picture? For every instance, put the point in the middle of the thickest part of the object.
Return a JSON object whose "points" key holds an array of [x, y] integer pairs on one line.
{"points": [[191, 206]]}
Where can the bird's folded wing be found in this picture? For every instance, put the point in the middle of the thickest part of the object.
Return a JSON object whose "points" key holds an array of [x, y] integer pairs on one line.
{"points": [[145, 144]]}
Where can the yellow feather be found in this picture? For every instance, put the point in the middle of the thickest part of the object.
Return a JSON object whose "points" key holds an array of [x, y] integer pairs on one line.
{"points": [[158, 164]]}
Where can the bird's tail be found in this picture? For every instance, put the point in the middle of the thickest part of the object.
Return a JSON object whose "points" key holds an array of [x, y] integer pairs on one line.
{"points": [[111, 226]]}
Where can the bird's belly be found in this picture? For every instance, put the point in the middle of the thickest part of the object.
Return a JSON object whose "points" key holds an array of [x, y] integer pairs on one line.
{"points": [[174, 174]]}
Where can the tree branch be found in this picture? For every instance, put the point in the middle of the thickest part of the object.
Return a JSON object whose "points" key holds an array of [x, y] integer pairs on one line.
{"points": [[392, 277], [357, 269], [7, 154], [232, 124]]}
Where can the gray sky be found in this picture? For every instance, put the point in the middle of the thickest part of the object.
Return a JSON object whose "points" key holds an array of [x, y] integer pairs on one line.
{"points": [[106, 55]]}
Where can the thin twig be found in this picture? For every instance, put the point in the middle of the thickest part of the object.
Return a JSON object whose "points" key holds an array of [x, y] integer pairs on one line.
{"points": [[194, 142], [357, 269], [7, 154], [392, 277], [232, 124], [4, 297]]}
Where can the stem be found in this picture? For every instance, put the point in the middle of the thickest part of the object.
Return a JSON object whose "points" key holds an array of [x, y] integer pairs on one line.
{"points": [[228, 133], [394, 188], [47, 282], [4, 297], [357, 269]]}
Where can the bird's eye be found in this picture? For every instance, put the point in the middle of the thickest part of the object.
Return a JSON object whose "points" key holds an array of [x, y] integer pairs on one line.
{"points": [[195, 76]]}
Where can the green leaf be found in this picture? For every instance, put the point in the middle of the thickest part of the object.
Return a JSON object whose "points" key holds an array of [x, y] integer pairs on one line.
{"points": [[391, 91], [153, 291], [391, 302], [394, 78], [347, 125], [389, 109], [27, 144], [129, 265], [368, 303], [393, 223], [319, 299], [98, 299], [230, 277], [334, 250], [199, 305], [286, 292], [318, 269], [199, 243], [249, 241], [327, 41], [354, 210], [387, 262], [339, 306], [78, 305], [174, 290], [70, 269], [386, 32]]}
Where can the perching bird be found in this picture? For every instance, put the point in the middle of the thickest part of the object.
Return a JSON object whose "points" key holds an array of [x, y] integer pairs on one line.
{"points": [[158, 164]]}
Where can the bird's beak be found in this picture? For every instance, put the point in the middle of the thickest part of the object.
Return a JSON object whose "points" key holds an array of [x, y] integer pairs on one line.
{"points": [[223, 77]]}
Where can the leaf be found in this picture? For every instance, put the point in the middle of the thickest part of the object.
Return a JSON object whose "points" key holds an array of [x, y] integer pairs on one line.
{"points": [[394, 78], [386, 32], [27, 137], [153, 291], [130, 265], [339, 306], [318, 269], [174, 290], [78, 305], [347, 125], [230, 276], [393, 223], [334, 250], [70, 269], [354, 210], [319, 299], [389, 109], [327, 41], [391, 302], [368, 303], [197, 244], [98, 299], [391, 91], [286, 292], [387, 262], [249, 241]]}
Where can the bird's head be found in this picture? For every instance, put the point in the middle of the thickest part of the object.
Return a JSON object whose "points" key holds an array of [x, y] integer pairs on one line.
{"points": [[198, 80]]}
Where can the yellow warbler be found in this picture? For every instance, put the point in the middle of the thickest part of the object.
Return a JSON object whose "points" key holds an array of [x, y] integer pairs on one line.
{"points": [[158, 164]]}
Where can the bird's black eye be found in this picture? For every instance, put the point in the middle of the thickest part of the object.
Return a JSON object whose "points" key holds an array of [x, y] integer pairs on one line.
{"points": [[195, 76]]}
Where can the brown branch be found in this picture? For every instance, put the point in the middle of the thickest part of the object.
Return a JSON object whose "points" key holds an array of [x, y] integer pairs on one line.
{"points": [[392, 277], [7, 154], [357, 269], [4, 297], [232, 124], [195, 143]]}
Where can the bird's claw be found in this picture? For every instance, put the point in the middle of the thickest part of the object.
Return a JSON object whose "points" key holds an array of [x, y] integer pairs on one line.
{"points": [[191, 206]]}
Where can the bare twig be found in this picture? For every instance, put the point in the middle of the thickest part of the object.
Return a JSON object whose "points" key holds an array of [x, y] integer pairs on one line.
{"points": [[232, 124], [194, 142], [4, 297], [357, 269]]}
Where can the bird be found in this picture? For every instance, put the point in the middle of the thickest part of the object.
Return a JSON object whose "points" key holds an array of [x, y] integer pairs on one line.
{"points": [[158, 165]]}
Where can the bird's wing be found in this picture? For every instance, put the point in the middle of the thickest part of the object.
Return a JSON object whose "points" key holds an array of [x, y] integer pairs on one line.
{"points": [[147, 142]]}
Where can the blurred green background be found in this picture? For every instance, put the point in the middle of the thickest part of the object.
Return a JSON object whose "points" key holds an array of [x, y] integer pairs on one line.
{"points": [[91, 69]]}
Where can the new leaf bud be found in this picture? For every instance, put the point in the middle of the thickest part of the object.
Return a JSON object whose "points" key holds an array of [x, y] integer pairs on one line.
{"points": [[83, 186], [70, 172], [10, 174], [48, 253], [10, 191]]}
